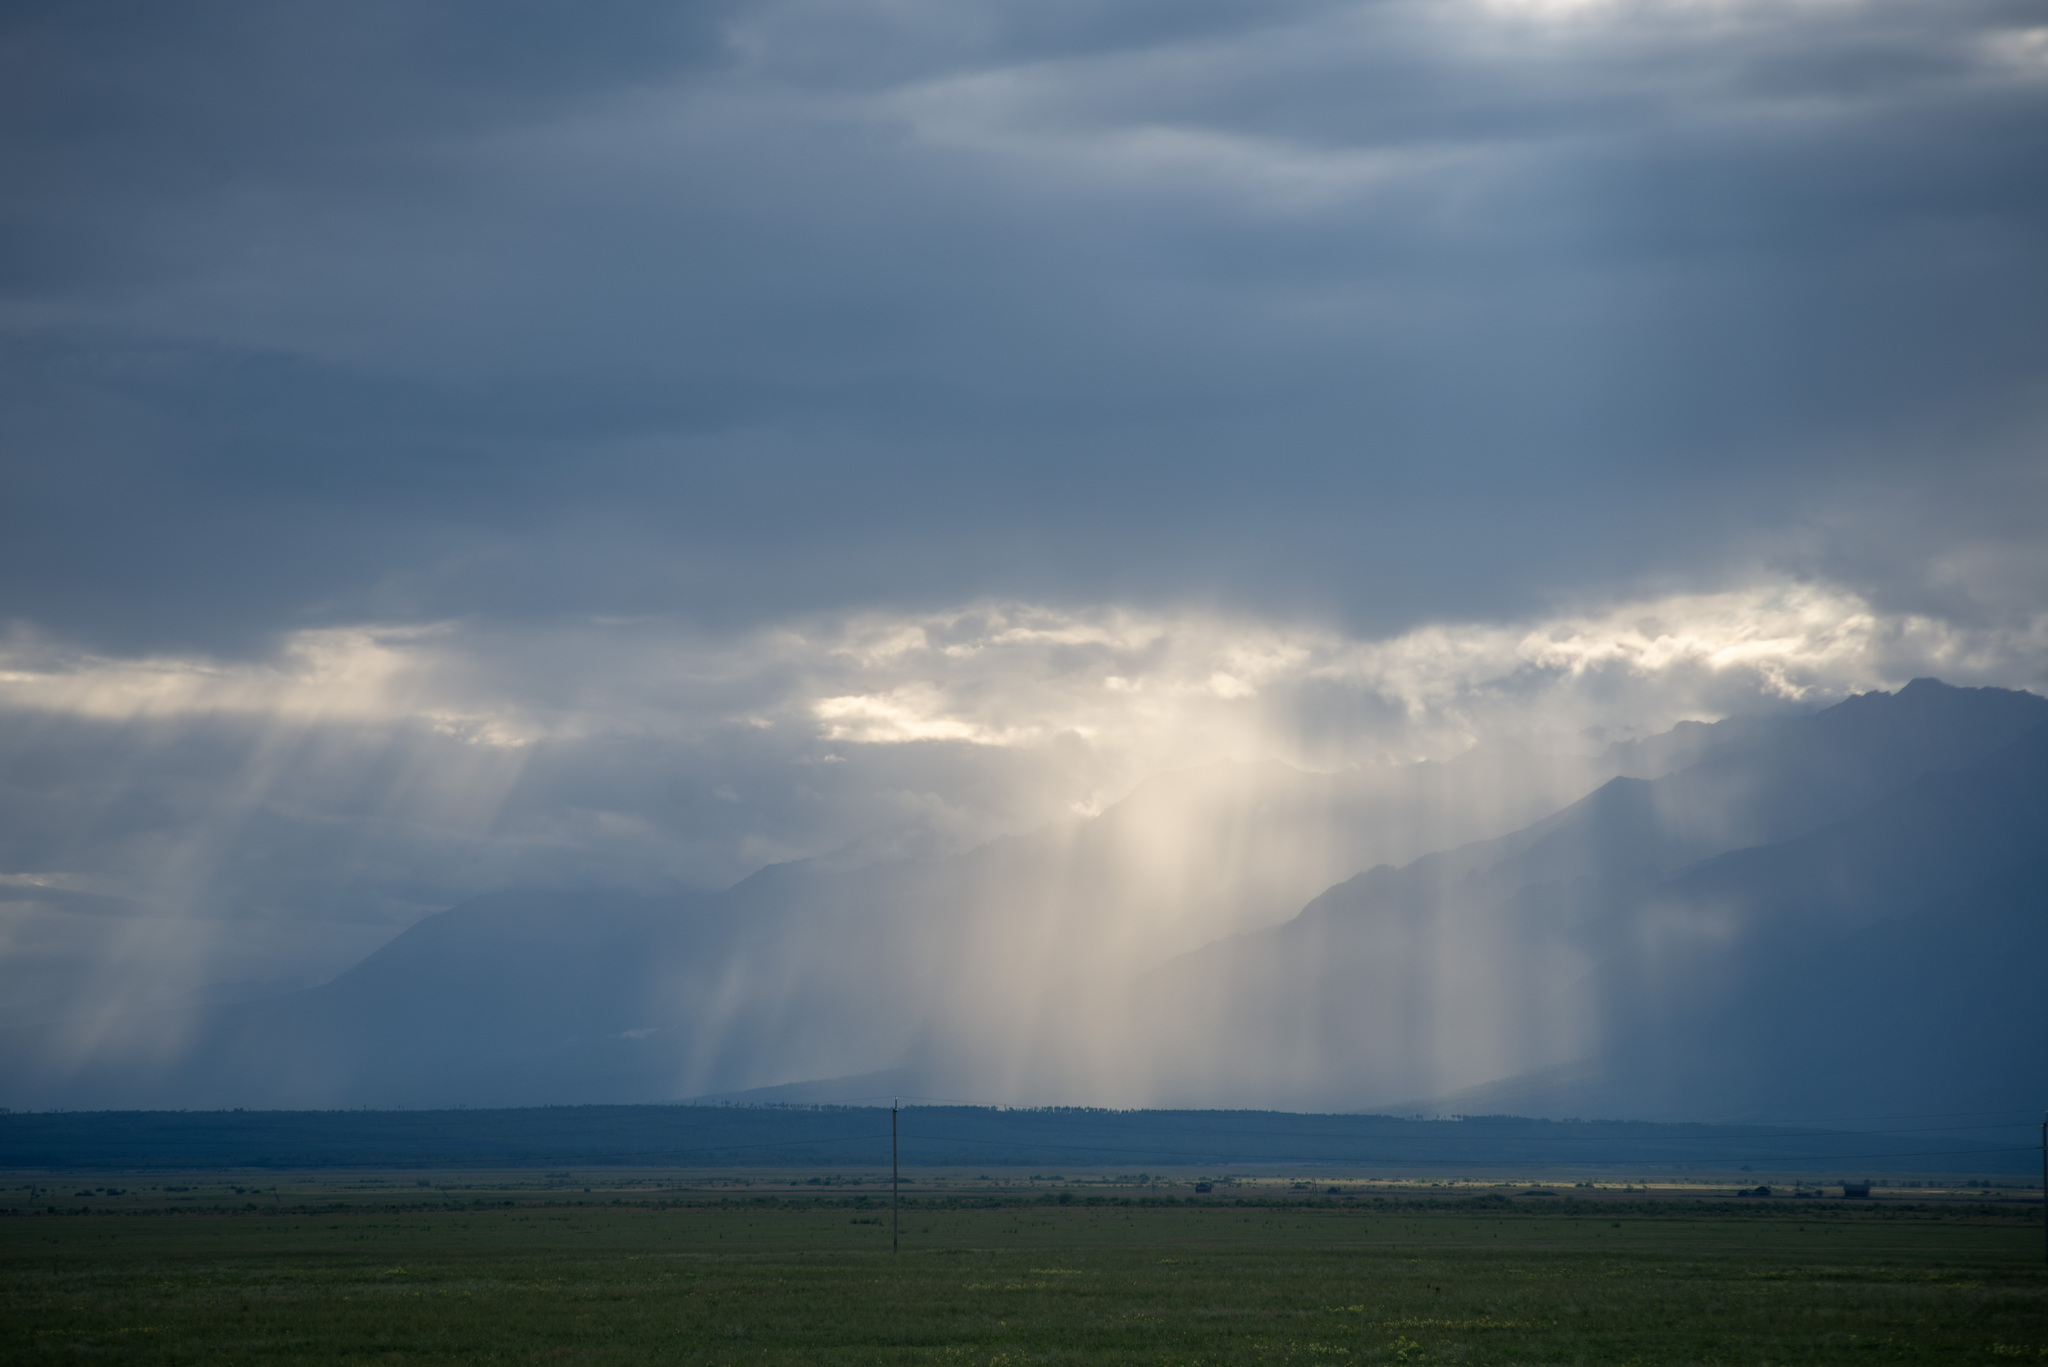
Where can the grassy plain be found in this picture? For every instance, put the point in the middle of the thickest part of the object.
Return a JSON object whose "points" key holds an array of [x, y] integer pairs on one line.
{"points": [[656, 1268]]}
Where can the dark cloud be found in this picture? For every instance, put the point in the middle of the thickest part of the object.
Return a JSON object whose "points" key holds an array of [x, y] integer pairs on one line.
{"points": [[1383, 311]]}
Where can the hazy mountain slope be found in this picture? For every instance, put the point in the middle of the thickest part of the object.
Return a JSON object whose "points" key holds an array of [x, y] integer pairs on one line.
{"points": [[473, 1002], [970, 949], [1488, 960], [1890, 961], [1061, 965], [803, 970]]}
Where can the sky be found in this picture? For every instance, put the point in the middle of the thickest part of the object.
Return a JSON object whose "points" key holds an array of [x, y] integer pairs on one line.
{"points": [[450, 445]]}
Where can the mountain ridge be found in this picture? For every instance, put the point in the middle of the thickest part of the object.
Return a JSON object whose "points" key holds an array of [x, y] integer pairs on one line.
{"points": [[1400, 963], [1003, 973]]}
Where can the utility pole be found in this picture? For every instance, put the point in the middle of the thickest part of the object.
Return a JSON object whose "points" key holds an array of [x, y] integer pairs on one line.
{"points": [[2044, 1185], [896, 1173]]}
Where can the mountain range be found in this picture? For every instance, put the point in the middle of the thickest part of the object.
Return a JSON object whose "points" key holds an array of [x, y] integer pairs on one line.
{"points": [[1827, 915], [1840, 909]]}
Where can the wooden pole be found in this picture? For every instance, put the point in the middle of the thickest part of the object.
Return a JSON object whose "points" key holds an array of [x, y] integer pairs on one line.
{"points": [[896, 1178]]}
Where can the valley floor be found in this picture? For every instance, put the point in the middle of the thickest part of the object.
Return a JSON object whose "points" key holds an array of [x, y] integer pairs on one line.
{"points": [[551, 1273]]}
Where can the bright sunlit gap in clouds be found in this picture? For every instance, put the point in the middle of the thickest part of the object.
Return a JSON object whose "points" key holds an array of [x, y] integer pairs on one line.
{"points": [[1139, 690], [1147, 689]]}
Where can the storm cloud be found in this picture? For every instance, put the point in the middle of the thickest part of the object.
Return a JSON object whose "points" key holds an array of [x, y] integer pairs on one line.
{"points": [[1384, 311]]}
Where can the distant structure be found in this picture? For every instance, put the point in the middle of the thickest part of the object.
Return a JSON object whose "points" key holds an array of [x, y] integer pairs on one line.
{"points": [[1856, 1191]]}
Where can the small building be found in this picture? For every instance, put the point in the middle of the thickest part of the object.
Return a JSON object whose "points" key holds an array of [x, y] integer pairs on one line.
{"points": [[1856, 1191]]}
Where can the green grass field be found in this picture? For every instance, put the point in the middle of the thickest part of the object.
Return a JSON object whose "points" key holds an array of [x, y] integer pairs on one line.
{"points": [[662, 1271]]}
